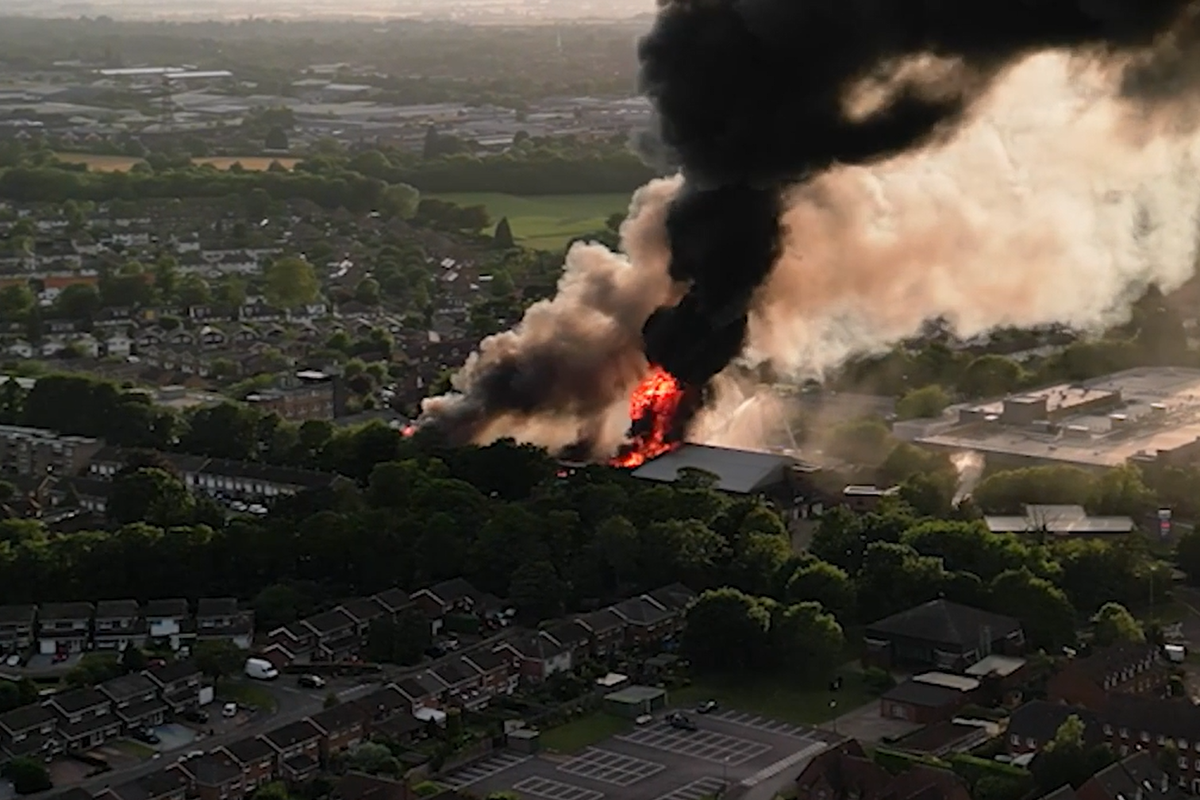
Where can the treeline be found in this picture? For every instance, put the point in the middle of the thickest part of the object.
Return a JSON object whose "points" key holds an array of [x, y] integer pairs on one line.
{"points": [[533, 175]]}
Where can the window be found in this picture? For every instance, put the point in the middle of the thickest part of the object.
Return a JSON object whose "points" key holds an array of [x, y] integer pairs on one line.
{"points": [[1108, 730], [1183, 762], [1030, 742]]}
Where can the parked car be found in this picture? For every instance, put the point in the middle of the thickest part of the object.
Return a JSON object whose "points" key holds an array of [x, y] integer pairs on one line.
{"points": [[682, 722], [196, 715], [229, 710], [311, 682], [13, 661], [145, 735], [60, 657], [707, 707], [644, 719]]}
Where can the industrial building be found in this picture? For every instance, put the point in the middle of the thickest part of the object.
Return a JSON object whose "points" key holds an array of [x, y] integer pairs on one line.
{"points": [[1148, 415]]}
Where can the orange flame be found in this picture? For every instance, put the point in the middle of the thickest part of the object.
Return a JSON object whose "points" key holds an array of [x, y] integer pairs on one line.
{"points": [[652, 408], [408, 430]]}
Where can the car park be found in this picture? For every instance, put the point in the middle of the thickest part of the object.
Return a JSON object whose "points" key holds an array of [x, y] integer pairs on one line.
{"points": [[681, 722], [707, 707]]}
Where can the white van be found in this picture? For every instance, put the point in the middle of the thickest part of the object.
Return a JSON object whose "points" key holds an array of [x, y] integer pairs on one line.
{"points": [[260, 669]]}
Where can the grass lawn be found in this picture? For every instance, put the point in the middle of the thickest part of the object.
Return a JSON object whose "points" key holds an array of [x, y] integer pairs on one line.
{"points": [[98, 163], [776, 699], [136, 749], [245, 693], [546, 222], [580, 733]]}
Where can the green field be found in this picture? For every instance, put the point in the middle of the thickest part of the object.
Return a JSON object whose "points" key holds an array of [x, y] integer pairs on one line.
{"points": [[584, 732], [546, 222], [778, 699]]}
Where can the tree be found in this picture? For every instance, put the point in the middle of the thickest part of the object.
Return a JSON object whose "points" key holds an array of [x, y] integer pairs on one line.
{"points": [[193, 291], [166, 276], [806, 641], [291, 282], [1120, 491], [1042, 608], [277, 139], [133, 659], [990, 376], [367, 292], [16, 300], [399, 200], [150, 495], [218, 658], [1065, 760], [503, 236], [28, 775], [861, 442], [1115, 624], [825, 584], [1187, 553], [537, 591], [927, 402], [726, 631], [79, 301]]}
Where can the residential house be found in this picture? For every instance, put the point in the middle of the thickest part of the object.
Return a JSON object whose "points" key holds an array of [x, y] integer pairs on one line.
{"points": [[335, 634], [360, 786], [455, 596], [1034, 725], [64, 627], [178, 684], [119, 624], [135, 700], [342, 727], [255, 758], [423, 690], [646, 622], [395, 602], [297, 750], [16, 627], [942, 635], [169, 620], [214, 776], [388, 712], [291, 643], [675, 598], [928, 698], [29, 731], [165, 784], [85, 718], [1125, 668], [219, 618], [496, 673], [463, 682], [606, 632], [363, 611], [571, 637], [846, 772], [118, 346], [37, 452], [247, 481], [1138, 777], [536, 655], [1131, 722], [212, 337]]}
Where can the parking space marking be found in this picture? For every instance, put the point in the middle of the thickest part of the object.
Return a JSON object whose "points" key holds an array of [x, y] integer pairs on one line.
{"points": [[555, 790], [480, 770], [606, 766], [706, 745], [762, 724], [705, 787]]}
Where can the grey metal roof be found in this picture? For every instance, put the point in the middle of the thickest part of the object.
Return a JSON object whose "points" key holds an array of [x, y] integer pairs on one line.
{"points": [[737, 471]]}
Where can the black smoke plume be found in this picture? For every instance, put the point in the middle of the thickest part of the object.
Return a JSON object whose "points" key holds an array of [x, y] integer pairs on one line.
{"points": [[754, 95]]}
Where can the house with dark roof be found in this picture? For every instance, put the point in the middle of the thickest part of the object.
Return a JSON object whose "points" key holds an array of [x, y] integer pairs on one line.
{"points": [[394, 601], [297, 750], [455, 596], [675, 598], [646, 621], [497, 673], [423, 690], [214, 776], [165, 784], [388, 711], [606, 631], [846, 772], [135, 700], [118, 624], [571, 637], [360, 786], [255, 758], [220, 619], [169, 620], [335, 635], [29, 731], [1034, 725], [536, 655], [64, 627], [1125, 668], [364, 611], [928, 698], [462, 679], [941, 635], [1133, 722], [295, 641], [16, 628], [1137, 777], [342, 727], [85, 718], [178, 684]]}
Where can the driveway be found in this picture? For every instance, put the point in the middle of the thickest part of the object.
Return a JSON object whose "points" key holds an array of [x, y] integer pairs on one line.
{"points": [[173, 736]]}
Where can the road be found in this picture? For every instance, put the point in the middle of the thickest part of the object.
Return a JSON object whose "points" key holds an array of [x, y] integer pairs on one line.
{"points": [[294, 705]]}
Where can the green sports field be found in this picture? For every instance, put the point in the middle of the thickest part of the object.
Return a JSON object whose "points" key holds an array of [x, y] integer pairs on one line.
{"points": [[546, 222]]}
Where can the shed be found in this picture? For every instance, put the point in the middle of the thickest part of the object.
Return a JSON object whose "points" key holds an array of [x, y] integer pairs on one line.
{"points": [[633, 701], [524, 740]]}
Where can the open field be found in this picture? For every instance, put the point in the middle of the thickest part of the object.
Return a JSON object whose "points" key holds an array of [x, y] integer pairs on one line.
{"points": [[584, 732], [98, 163], [246, 694], [546, 222], [779, 699]]}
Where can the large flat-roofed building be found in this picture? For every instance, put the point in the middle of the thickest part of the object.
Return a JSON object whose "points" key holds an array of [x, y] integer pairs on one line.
{"points": [[1144, 415]]}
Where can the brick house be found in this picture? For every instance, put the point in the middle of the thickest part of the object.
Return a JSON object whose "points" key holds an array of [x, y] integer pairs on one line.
{"points": [[388, 712], [135, 700], [845, 772], [118, 624], [1034, 725], [220, 619], [463, 681], [255, 758], [178, 684], [423, 690], [1120, 669], [571, 637], [536, 656], [334, 634], [296, 641], [64, 627], [165, 784], [342, 727], [675, 598], [929, 698], [941, 635], [1130, 723], [497, 676], [85, 718], [606, 632], [394, 601], [1137, 776], [16, 628], [455, 596], [214, 776], [29, 731], [646, 622], [297, 750], [364, 611]]}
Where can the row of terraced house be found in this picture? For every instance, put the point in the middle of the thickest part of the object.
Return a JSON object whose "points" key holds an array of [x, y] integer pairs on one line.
{"points": [[117, 624]]}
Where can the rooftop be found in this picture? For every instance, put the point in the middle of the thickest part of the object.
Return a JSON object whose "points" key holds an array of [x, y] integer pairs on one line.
{"points": [[737, 471], [635, 694], [945, 623]]}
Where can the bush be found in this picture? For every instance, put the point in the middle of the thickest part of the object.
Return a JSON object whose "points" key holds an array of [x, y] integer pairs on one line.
{"points": [[878, 680]]}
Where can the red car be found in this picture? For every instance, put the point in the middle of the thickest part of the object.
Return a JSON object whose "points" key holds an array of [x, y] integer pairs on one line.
{"points": [[59, 657]]}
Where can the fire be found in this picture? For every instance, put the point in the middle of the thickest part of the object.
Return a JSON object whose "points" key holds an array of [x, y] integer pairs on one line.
{"points": [[408, 430], [652, 408]]}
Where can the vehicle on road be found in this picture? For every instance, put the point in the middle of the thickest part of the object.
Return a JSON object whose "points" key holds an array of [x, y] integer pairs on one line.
{"points": [[260, 669], [196, 715], [681, 721], [311, 682], [229, 711], [707, 707]]}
